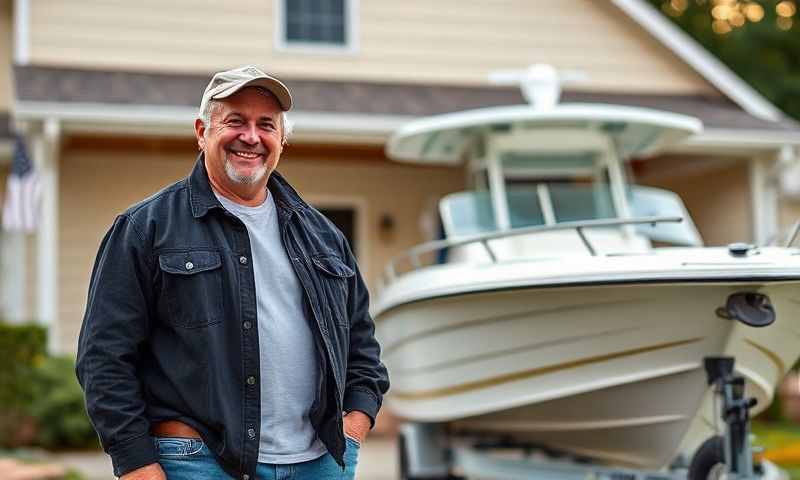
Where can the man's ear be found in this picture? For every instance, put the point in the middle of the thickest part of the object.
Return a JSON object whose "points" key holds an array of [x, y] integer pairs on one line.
{"points": [[199, 133]]}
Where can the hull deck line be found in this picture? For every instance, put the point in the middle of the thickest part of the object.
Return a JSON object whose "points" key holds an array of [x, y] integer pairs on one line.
{"points": [[677, 280]]}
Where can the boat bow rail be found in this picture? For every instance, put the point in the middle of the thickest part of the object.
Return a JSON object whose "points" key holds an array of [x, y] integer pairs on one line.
{"points": [[414, 254]]}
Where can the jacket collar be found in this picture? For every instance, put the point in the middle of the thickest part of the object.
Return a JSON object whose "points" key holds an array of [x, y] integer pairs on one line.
{"points": [[202, 198]]}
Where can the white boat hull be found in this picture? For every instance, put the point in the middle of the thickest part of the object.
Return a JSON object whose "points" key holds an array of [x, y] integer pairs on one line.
{"points": [[611, 372]]}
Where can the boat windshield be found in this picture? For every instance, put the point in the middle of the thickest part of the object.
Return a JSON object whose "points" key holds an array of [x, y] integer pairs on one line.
{"points": [[470, 213], [531, 204]]}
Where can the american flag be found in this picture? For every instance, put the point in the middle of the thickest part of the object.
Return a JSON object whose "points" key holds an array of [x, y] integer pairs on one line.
{"points": [[23, 193]]}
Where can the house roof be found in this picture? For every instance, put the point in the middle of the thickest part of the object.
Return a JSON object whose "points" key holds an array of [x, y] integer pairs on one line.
{"points": [[52, 85]]}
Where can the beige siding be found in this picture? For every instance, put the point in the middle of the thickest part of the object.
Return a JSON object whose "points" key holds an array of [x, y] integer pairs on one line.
{"points": [[6, 48], [716, 192], [95, 186], [450, 41]]}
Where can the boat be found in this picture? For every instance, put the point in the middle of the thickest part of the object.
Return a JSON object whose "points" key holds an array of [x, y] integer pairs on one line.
{"points": [[567, 307]]}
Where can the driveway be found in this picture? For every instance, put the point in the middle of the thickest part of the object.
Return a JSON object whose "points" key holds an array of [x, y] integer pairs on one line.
{"points": [[377, 461]]}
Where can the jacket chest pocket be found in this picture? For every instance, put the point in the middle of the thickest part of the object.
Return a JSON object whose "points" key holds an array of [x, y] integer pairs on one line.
{"points": [[192, 288], [332, 274]]}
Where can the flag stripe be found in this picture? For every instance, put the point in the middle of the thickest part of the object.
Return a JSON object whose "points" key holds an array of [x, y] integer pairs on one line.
{"points": [[23, 194]]}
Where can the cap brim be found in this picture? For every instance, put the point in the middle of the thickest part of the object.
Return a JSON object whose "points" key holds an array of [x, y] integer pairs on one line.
{"points": [[272, 85]]}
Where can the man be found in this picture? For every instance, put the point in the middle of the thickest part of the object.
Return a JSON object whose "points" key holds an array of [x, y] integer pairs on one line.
{"points": [[226, 330]]}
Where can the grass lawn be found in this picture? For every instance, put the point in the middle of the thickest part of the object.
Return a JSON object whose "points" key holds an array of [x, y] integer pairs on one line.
{"points": [[781, 442]]}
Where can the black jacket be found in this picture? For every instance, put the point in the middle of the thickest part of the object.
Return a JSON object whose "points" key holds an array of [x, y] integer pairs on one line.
{"points": [[170, 326]]}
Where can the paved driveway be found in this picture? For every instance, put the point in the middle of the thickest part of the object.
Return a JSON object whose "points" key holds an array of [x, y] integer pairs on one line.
{"points": [[377, 461]]}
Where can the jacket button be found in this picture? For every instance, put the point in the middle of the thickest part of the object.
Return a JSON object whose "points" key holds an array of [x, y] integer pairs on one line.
{"points": [[189, 265], [247, 325], [251, 380], [251, 432], [243, 260]]}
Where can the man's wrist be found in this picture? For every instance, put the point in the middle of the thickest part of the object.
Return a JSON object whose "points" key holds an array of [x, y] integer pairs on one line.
{"points": [[357, 424]]}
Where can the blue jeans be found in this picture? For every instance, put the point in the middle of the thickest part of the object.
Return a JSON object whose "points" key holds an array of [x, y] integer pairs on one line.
{"points": [[190, 459]]}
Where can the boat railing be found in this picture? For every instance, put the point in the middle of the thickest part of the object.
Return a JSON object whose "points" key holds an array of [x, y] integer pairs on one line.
{"points": [[413, 254], [792, 235]]}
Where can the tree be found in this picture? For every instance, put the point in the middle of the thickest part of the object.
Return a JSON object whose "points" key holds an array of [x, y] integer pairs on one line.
{"points": [[760, 41]]}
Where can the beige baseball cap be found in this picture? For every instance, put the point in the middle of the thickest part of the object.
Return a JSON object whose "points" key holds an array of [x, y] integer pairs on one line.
{"points": [[224, 84]]}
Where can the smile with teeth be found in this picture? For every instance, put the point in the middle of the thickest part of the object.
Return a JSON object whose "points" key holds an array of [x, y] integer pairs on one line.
{"points": [[247, 155]]}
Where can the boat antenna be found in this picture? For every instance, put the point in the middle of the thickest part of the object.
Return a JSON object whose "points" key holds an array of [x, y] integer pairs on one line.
{"points": [[540, 83]]}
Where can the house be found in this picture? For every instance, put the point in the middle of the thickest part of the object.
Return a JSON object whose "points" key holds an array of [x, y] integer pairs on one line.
{"points": [[106, 92]]}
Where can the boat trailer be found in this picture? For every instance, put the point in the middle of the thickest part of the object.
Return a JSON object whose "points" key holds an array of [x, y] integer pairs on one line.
{"points": [[427, 452]]}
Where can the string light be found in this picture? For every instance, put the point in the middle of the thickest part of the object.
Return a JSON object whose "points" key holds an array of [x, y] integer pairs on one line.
{"points": [[679, 5], [721, 12], [754, 12], [784, 23], [728, 15], [721, 27], [786, 9]]}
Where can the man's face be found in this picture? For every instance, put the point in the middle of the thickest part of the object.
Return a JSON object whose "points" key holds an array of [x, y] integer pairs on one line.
{"points": [[242, 144]]}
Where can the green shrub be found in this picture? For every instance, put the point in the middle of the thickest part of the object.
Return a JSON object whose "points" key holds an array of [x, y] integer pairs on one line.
{"points": [[41, 402], [58, 406], [22, 349]]}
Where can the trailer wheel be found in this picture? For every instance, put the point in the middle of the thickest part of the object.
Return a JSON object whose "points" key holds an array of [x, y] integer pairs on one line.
{"points": [[709, 460]]}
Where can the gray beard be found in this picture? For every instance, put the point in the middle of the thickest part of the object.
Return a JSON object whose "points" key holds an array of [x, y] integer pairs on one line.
{"points": [[244, 179]]}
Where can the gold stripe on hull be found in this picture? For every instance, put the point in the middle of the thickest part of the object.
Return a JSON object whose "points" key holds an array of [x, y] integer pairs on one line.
{"points": [[534, 372], [776, 360]]}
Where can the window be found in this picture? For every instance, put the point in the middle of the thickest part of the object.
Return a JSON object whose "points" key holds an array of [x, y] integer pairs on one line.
{"points": [[345, 220], [349, 215], [326, 25]]}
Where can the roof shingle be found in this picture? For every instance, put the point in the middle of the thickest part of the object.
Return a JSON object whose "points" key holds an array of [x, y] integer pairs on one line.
{"points": [[66, 85]]}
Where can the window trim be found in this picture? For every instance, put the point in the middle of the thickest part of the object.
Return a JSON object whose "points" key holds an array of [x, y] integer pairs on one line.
{"points": [[351, 32], [360, 208]]}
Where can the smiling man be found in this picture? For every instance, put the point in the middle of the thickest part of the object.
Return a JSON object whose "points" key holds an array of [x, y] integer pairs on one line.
{"points": [[227, 331]]}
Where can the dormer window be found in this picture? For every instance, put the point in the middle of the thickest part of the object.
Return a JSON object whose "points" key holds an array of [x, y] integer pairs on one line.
{"points": [[316, 25]]}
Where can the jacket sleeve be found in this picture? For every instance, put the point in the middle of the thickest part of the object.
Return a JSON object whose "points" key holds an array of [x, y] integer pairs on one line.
{"points": [[114, 328], [367, 379]]}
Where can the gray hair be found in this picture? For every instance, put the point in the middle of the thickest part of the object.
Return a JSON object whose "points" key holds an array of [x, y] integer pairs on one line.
{"points": [[210, 107]]}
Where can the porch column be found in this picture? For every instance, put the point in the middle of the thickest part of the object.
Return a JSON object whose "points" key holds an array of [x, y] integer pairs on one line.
{"points": [[14, 277], [45, 157], [764, 189]]}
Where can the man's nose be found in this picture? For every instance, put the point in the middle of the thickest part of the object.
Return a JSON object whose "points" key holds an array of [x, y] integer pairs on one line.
{"points": [[249, 134]]}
